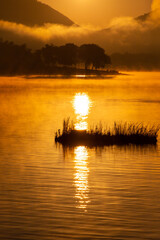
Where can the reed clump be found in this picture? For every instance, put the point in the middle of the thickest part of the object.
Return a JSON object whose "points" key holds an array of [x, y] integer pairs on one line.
{"points": [[118, 134]]}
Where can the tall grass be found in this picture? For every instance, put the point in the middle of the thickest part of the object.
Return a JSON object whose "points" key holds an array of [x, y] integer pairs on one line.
{"points": [[118, 133]]}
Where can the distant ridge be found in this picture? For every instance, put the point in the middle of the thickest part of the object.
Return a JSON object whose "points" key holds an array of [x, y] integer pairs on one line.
{"points": [[143, 18], [31, 13]]}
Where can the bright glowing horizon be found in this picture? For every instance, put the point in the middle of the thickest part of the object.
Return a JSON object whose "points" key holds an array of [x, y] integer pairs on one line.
{"points": [[99, 13]]}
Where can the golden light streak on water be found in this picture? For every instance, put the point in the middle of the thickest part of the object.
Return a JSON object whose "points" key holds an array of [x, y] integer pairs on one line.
{"points": [[81, 104], [38, 184], [81, 176]]}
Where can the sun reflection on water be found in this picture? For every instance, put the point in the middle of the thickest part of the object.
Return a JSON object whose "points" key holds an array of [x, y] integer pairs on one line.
{"points": [[81, 176], [81, 106]]}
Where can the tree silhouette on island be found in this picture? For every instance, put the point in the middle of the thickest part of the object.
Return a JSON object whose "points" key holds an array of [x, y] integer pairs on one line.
{"points": [[68, 59]]}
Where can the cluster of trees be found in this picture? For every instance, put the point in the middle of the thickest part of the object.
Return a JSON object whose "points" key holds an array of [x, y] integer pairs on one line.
{"points": [[15, 59]]}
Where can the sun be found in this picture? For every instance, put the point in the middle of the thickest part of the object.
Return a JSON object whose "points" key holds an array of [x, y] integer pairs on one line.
{"points": [[81, 106]]}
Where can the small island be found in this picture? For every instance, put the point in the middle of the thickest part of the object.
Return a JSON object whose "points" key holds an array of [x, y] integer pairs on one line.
{"points": [[120, 134], [66, 60]]}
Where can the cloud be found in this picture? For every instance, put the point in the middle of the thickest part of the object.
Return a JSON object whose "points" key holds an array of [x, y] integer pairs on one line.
{"points": [[155, 5], [48, 33], [121, 35], [155, 15], [135, 36]]}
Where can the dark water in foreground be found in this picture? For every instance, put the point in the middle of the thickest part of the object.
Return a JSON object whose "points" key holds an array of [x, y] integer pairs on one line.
{"points": [[47, 192]]}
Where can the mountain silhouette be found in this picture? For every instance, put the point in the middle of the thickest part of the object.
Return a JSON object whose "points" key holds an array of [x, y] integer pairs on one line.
{"points": [[143, 17], [31, 13]]}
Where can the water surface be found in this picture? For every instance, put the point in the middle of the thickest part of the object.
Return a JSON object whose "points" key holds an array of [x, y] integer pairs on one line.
{"points": [[50, 192]]}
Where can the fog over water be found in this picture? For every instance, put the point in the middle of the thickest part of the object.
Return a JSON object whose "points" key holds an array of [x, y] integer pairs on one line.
{"points": [[51, 192]]}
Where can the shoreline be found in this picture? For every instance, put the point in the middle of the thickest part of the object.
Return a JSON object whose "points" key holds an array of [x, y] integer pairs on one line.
{"points": [[64, 72]]}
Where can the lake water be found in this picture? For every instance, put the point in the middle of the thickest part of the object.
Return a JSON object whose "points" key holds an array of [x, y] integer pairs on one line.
{"points": [[48, 192]]}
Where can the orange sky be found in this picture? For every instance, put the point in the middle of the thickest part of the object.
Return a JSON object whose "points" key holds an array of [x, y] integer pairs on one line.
{"points": [[99, 12]]}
